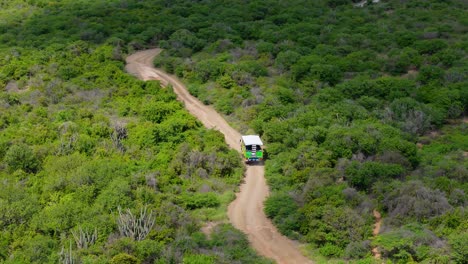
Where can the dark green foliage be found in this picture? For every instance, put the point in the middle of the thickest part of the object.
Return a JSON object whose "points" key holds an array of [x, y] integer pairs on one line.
{"points": [[363, 176], [335, 3], [330, 224], [387, 88], [326, 73], [184, 43], [284, 212], [210, 69], [21, 157], [285, 59], [430, 46], [430, 74], [404, 61]]}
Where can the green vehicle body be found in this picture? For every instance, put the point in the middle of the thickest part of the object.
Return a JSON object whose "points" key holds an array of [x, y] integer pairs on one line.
{"points": [[251, 146]]}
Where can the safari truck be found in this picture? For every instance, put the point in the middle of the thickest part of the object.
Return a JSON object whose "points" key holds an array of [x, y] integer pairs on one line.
{"points": [[251, 146]]}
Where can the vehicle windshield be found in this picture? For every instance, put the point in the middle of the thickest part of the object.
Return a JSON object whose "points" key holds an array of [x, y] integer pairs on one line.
{"points": [[249, 147]]}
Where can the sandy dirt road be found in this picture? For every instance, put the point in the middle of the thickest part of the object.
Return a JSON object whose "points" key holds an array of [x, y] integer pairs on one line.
{"points": [[375, 232], [246, 211]]}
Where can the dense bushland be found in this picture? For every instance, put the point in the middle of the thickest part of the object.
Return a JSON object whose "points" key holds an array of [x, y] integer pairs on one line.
{"points": [[83, 154], [344, 96], [96, 166], [354, 104]]}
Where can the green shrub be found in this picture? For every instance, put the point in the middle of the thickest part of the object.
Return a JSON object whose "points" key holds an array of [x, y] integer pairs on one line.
{"points": [[226, 82], [459, 245], [410, 242], [198, 259], [124, 258], [284, 212], [253, 67], [430, 46], [200, 200], [21, 157], [430, 74], [362, 176], [330, 250], [357, 249], [236, 245], [159, 111], [35, 249]]}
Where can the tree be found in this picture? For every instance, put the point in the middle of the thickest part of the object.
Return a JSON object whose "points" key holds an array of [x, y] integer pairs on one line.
{"points": [[430, 74], [226, 82], [21, 157], [285, 59], [362, 176], [183, 42]]}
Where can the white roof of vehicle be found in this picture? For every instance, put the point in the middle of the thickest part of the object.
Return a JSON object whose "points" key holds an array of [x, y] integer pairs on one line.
{"points": [[252, 140]]}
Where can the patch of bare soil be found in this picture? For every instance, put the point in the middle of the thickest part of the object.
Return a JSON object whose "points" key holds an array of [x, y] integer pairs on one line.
{"points": [[410, 74], [207, 229], [12, 87]]}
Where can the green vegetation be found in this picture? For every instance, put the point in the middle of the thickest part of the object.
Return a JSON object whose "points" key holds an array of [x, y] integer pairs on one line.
{"points": [[342, 96], [96, 166]]}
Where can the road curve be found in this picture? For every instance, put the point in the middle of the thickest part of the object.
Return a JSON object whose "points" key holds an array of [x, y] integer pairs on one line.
{"points": [[246, 211]]}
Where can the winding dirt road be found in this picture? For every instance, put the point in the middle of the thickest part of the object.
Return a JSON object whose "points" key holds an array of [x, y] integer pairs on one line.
{"points": [[246, 211]]}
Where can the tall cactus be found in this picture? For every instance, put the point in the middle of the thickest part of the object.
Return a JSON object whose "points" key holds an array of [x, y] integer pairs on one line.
{"points": [[135, 227], [66, 256], [118, 134], [84, 238]]}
